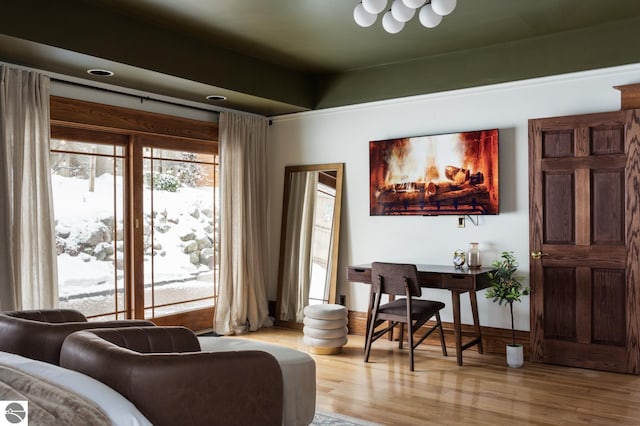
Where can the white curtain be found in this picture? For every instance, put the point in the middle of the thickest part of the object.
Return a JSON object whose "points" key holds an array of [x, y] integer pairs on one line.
{"points": [[242, 296], [28, 271], [297, 265]]}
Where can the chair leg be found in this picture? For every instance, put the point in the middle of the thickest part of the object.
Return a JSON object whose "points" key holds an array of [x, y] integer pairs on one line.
{"points": [[401, 338], [410, 338], [369, 340], [442, 342]]}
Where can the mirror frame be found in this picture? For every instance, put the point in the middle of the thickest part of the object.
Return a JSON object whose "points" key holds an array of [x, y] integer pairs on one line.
{"points": [[335, 232]]}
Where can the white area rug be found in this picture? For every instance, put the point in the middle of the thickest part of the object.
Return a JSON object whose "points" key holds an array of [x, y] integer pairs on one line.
{"points": [[323, 418]]}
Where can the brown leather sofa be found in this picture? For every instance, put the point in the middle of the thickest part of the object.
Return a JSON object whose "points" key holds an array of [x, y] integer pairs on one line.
{"points": [[162, 371], [38, 334]]}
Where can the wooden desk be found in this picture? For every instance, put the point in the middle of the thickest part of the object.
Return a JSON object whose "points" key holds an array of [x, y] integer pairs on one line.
{"points": [[457, 281]]}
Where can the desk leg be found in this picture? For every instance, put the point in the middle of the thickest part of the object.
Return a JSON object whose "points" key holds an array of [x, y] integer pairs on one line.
{"points": [[457, 327], [476, 319]]}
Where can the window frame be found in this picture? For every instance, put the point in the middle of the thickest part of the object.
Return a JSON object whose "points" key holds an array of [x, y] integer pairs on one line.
{"points": [[100, 123]]}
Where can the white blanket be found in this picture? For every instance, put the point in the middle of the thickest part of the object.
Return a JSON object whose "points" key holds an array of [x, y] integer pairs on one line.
{"points": [[119, 410]]}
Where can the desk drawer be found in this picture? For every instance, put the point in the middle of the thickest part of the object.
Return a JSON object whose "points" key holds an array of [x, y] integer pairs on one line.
{"points": [[359, 275], [458, 281]]}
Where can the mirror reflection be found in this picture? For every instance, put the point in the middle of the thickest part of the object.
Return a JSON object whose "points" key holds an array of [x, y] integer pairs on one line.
{"points": [[309, 239]]}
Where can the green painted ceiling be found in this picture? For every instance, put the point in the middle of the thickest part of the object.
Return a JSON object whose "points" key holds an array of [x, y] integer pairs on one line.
{"points": [[280, 56]]}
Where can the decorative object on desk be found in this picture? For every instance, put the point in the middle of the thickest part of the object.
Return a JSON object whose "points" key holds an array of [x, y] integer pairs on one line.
{"points": [[473, 256], [447, 174], [507, 288], [458, 259]]}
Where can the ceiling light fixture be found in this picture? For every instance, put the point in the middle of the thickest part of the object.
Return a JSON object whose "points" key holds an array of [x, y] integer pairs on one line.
{"points": [[100, 73], [216, 98], [431, 12]]}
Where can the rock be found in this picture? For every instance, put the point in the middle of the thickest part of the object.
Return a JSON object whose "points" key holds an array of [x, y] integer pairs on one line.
{"points": [[206, 257], [163, 228], [195, 213], [63, 232], [204, 242], [108, 221], [194, 258], [189, 235], [190, 247], [207, 212]]}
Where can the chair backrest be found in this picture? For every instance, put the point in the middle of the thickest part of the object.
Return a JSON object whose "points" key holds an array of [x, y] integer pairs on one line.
{"points": [[51, 316], [32, 335], [151, 339], [391, 278]]}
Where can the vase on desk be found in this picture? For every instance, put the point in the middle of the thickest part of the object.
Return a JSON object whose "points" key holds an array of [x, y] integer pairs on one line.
{"points": [[473, 256]]}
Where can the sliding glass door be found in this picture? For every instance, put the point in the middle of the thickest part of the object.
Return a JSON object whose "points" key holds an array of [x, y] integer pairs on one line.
{"points": [[180, 237], [136, 224], [88, 184]]}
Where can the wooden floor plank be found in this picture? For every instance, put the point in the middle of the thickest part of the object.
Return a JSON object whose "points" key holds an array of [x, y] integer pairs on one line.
{"points": [[484, 391]]}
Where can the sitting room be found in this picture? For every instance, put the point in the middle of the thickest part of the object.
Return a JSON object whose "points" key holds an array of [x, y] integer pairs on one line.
{"points": [[376, 212]]}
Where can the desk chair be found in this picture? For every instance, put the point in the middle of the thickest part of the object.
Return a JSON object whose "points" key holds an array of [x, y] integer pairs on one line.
{"points": [[395, 279]]}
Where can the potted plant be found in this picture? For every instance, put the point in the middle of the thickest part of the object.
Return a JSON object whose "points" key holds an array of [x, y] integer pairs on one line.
{"points": [[507, 288]]}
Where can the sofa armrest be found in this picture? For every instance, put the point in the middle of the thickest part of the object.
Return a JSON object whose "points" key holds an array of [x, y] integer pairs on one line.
{"points": [[42, 340], [202, 388]]}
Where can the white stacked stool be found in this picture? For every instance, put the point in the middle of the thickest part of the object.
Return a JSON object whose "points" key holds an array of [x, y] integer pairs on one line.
{"points": [[325, 328]]}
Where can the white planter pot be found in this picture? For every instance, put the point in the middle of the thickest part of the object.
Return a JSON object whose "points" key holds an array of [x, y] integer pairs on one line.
{"points": [[515, 356]]}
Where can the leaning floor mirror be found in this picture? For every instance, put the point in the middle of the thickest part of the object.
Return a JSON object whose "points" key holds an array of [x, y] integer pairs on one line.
{"points": [[309, 240]]}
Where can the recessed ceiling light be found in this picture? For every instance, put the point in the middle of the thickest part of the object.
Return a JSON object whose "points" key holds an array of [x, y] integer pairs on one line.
{"points": [[216, 98], [100, 73]]}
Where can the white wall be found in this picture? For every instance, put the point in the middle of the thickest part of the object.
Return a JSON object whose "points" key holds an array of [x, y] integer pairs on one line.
{"points": [[343, 135]]}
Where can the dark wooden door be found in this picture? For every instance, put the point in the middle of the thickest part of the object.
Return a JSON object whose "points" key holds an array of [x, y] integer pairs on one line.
{"points": [[584, 191]]}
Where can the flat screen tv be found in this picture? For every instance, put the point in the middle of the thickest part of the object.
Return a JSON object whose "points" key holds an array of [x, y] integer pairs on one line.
{"points": [[446, 174]]}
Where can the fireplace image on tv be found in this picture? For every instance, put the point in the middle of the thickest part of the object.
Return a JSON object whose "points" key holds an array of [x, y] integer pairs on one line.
{"points": [[447, 174]]}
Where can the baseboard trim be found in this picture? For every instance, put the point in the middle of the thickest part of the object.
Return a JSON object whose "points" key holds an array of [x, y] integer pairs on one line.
{"points": [[494, 340]]}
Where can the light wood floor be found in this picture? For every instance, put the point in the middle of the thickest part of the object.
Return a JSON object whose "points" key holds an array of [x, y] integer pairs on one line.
{"points": [[481, 392]]}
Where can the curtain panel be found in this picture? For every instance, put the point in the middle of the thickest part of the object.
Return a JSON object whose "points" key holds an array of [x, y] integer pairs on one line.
{"points": [[298, 264], [28, 270], [242, 298]]}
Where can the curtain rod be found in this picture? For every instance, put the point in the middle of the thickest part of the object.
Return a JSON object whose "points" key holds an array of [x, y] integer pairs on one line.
{"points": [[141, 97]]}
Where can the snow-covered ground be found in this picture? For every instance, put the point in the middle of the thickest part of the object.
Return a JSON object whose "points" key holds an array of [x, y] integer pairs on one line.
{"points": [[90, 242]]}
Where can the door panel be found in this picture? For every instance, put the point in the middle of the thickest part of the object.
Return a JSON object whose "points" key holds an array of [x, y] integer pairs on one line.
{"points": [[607, 207], [559, 209], [584, 178]]}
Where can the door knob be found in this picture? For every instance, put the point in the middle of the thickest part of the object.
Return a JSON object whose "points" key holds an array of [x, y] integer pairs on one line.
{"points": [[538, 254]]}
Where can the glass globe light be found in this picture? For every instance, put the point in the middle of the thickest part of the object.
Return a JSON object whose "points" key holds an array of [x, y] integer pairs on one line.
{"points": [[401, 12], [428, 18], [414, 4], [390, 24], [362, 17], [443, 7], [374, 6]]}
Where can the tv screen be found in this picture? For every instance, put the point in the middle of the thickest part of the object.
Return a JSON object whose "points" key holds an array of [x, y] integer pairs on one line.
{"points": [[446, 174]]}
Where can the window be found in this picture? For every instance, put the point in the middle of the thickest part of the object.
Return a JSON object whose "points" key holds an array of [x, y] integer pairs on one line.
{"points": [[180, 230], [88, 194], [136, 219]]}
